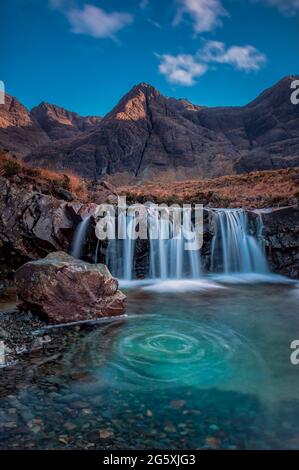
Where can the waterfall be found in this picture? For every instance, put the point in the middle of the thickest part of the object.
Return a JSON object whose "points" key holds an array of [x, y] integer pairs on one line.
{"points": [[168, 258], [79, 237], [234, 249]]}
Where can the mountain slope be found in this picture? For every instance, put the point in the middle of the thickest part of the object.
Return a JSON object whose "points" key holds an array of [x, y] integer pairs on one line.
{"points": [[149, 136], [59, 123], [19, 131], [22, 130]]}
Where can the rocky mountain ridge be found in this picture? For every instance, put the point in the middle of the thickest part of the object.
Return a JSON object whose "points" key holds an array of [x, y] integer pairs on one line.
{"points": [[59, 123], [22, 130], [148, 136]]}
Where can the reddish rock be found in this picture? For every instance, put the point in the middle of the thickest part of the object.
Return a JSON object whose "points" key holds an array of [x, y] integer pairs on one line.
{"points": [[19, 131], [62, 289], [22, 130], [59, 123]]}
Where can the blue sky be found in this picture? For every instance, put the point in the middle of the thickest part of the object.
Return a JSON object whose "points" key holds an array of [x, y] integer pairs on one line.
{"points": [[84, 55]]}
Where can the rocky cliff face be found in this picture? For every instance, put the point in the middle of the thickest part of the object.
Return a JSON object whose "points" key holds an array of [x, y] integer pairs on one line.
{"points": [[282, 240], [31, 225], [58, 123], [19, 131], [149, 136]]}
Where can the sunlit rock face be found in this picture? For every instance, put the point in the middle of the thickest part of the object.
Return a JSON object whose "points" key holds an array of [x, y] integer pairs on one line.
{"points": [[62, 289], [19, 131], [22, 130], [59, 123]]}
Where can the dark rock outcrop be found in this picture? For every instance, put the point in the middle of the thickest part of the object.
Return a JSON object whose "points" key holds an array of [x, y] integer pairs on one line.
{"points": [[62, 289], [281, 228], [34, 224], [149, 136], [31, 224]]}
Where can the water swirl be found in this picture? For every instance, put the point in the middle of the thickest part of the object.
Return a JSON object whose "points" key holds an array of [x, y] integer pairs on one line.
{"points": [[156, 350]]}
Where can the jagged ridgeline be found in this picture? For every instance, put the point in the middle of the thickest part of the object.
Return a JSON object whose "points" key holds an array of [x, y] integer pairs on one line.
{"points": [[149, 136]]}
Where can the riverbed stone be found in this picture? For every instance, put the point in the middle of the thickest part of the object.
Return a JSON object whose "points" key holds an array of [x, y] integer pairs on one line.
{"points": [[62, 289]]}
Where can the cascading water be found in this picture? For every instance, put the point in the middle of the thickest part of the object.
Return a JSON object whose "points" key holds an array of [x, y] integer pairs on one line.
{"points": [[79, 237], [168, 258], [120, 252], [234, 250]]}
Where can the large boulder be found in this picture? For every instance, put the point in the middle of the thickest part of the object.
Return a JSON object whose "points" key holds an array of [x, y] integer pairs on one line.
{"points": [[63, 289]]}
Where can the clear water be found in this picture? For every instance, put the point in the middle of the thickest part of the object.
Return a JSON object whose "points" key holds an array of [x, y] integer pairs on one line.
{"points": [[194, 365]]}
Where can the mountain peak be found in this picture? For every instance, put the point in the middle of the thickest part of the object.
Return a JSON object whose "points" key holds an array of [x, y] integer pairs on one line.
{"points": [[144, 86], [59, 123], [134, 105], [148, 135], [278, 94]]}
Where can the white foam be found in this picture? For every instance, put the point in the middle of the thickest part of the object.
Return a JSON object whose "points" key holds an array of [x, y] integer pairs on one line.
{"points": [[132, 284], [186, 285], [252, 278], [215, 281]]}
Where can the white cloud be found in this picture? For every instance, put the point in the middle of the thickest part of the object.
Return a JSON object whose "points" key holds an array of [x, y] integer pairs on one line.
{"points": [[289, 7], [246, 58], [95, 22], [181, 69], [206, 14]]}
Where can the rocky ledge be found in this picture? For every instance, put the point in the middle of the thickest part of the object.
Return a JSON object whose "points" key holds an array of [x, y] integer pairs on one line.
{"points": [[33, 224], [281, 232], [61, 289]]}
